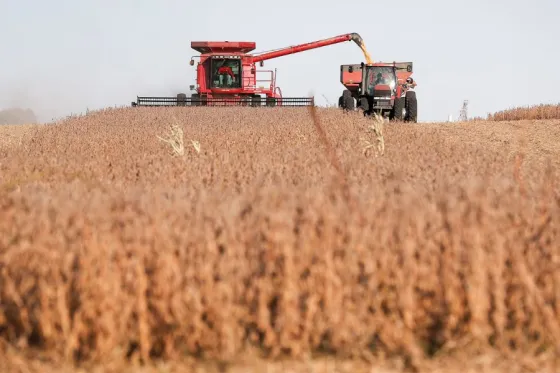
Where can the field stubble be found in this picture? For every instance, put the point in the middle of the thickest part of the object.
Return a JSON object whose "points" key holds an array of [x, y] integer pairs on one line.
{"points": [[111, 246]]}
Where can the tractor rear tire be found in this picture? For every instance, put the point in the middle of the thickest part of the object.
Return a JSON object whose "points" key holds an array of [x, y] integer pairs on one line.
{"points": [[398, 107], [347, 101], [181, 99], [411, 107]]}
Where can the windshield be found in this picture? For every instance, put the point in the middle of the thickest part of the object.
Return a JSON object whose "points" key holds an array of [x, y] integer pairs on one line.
{"points": [[226, 73], [379, 75]]}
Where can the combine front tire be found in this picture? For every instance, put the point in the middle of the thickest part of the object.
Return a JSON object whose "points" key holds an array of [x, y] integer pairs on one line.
{"points": [[181, 99], [270, 101], [256, 101], [195, 99], [411, 107]]}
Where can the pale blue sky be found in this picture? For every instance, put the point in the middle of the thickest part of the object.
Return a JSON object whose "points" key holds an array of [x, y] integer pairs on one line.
{"points": [[61, 57]]}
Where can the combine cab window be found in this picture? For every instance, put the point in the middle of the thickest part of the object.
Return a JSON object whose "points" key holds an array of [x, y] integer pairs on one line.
{"points": [[226, 73], [379, 75]]}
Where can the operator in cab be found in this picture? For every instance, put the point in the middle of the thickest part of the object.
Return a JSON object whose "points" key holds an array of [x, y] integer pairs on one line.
{"points": [[225, 72]]}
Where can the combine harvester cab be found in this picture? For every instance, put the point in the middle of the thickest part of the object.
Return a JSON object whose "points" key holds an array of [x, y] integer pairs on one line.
{"points": [[385, 88], [226, 75]]}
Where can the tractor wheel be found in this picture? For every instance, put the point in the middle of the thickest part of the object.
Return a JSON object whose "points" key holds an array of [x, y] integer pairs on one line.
{"points": [[195, 99], [411, 107], [398, 108], [181, 99], [363, 104], [347, 100]]}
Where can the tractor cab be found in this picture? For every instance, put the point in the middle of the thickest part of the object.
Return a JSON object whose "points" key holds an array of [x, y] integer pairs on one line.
{"points": [[379, 86], [379, 81]]}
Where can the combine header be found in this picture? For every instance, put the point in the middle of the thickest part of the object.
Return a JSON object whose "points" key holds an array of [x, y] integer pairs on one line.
{"points": [[226, 75]]}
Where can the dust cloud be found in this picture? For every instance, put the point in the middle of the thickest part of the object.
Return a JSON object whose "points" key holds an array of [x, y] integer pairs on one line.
{"points": [[17, 116]]}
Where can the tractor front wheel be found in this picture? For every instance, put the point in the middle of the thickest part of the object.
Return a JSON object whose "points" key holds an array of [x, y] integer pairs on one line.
{"points": [[398, 108], [363, 104], [411, 107]]}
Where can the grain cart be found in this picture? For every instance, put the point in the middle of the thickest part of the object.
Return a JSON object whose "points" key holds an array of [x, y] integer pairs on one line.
{"points": [[380, 87], [226, 74]]}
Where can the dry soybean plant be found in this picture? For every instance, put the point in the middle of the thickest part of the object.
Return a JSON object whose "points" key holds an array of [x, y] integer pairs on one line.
{"points": [[377, 129], [196, 145], [176, 140]]}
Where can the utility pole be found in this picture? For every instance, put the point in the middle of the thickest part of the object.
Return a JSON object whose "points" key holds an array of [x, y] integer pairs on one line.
{"points": [[464, 114]]}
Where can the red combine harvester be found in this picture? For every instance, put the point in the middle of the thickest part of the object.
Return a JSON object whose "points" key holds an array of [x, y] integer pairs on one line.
{"points": [[382, 87], [227, 75]]}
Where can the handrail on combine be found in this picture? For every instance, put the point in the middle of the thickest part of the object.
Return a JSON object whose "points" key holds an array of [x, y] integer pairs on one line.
{"points": [[247, 80]]}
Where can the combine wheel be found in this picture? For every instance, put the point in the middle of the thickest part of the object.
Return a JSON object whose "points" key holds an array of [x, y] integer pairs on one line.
{"points": [[346, 101], [246, 101], [256, 101], [195, 99], [398, 109], [181, 99], [411, 107], [270, 101]]}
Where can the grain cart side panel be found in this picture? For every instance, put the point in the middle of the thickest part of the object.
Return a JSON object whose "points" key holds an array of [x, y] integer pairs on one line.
{"points": [[351, 76], [404, 70]]}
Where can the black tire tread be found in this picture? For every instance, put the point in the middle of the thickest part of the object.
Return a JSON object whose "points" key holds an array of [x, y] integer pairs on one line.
{"points": [[397, 112], [411, 107], [195, 96], [347, 100]]}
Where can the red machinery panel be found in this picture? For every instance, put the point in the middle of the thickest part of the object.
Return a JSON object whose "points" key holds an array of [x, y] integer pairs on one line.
{"points": [[205, 47]]}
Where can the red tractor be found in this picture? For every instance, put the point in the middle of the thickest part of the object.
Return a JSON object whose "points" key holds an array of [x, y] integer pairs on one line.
{"points": [[226, 74], [386, 88]]}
